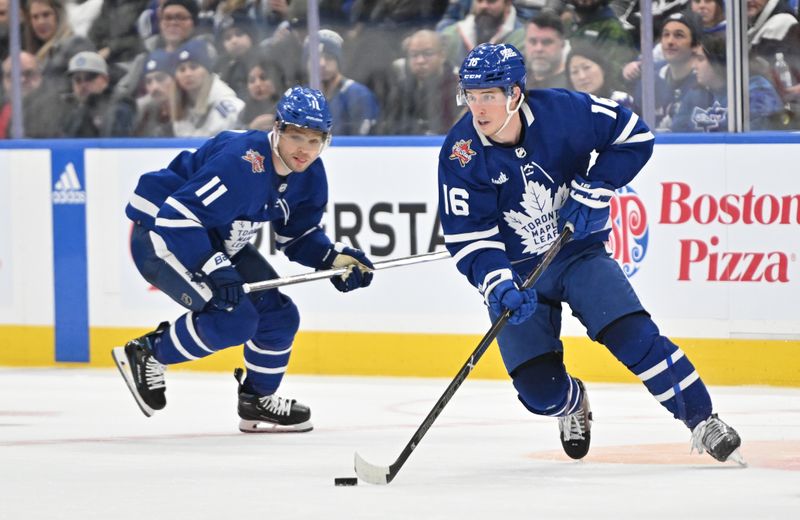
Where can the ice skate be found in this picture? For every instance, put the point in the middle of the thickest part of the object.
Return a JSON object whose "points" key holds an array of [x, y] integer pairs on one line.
{"points": [[270, 413], [142, 373], [718, 439], [576, 428]]}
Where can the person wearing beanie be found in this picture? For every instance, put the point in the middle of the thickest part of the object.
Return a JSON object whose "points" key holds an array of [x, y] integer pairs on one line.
{"points": [[353, 105], [153, 116], [237, 37], [705, 108], [680, 34], [203, 104]]}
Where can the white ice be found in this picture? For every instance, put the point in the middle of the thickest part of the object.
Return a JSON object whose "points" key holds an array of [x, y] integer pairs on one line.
{"points": [[73, 445]]}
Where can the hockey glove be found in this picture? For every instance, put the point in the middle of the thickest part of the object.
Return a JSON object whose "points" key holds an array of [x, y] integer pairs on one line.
{"points": [[587, 208], [359, 272], [224, 281], [506, 295]]}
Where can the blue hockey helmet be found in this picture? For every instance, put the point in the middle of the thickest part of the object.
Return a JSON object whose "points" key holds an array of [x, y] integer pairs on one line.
{"points": [[490, 66], [306, 108]]}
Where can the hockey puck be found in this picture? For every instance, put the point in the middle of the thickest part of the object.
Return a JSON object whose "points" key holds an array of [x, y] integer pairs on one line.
{"points": [[345, 481]]}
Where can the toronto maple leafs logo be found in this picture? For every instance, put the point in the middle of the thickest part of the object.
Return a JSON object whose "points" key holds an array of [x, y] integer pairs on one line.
{"points": [[711, 118], [255, 159], [462, 152], [537, 224]]}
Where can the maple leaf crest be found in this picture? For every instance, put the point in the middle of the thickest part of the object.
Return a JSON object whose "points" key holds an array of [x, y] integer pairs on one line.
{"points": [[537, 223]]}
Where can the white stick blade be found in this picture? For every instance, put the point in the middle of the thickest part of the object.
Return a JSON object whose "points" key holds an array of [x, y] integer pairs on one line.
{"points": [[371, 473]]}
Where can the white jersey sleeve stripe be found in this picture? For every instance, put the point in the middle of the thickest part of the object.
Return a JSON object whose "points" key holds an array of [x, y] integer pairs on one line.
{"points": [[280, 239], [639, 138], [145, 206], [183, 210], [604, 110], [182, 223], [475, 235], [475, 246], [626, 132]]}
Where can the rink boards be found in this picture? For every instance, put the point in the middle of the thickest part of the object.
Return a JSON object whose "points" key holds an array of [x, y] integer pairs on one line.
{"points": [[708, 234]]}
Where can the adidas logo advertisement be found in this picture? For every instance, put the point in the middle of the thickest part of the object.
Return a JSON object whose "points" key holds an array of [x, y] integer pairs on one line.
{"points": [[67, 189]]}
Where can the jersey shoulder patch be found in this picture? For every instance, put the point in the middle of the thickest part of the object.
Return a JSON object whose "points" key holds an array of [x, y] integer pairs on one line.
{"points": [[255, 159], [462, 152]]}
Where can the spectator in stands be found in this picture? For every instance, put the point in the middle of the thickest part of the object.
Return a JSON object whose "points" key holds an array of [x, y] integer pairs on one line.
{"points": [[285, 45], [177, 23], [422, 100], [493, 21], [264, 87], [628, 13], [596, 24], [588, 71], [712, 14], [526, 10], [705, 108], [354, 107], [49, 36], [203, 104], [238, 36], [30, 80], [113, 31], [153, 115], [4, 29], [91, 111], [774, 29], [544, 51]]}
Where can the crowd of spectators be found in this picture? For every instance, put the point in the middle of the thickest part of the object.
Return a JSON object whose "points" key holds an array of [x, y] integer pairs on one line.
{"points": [[160, 68]]}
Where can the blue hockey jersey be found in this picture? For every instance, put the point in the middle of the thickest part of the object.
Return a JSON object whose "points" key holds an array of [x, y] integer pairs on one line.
{"points": [[216, 199], [498, 204]]}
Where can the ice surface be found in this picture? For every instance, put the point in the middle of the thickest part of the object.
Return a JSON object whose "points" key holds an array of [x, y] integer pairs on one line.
{"points": [[73, 445]]}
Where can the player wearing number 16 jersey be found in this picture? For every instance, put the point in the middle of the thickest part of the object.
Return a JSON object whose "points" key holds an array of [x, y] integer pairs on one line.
{"points": [[513, 172]]}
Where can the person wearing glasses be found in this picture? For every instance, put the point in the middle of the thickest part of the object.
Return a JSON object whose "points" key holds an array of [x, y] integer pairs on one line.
{"points": [[193, 225]]}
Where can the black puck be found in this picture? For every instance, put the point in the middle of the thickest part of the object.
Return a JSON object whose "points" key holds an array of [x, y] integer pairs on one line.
{"points": [[345, 481]]}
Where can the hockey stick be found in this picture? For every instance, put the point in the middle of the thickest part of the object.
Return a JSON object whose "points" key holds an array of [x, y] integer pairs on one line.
{"points": [[329, 273], [385, 474]]}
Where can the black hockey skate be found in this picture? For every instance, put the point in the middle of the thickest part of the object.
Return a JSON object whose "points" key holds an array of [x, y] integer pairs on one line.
{"points": [[270, 413], [576, 428], [718, 439], [142, 373]]}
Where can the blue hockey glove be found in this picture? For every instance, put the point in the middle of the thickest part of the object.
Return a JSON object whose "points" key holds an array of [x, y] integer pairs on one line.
{"points": [[587, 208], [224, 281], [359, 273], [506, 295]]}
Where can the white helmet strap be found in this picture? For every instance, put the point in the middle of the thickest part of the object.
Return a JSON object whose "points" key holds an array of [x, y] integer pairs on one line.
{"points": [[510, 113]]}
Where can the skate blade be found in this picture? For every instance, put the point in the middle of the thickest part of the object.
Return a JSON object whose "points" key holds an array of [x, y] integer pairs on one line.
{"points": [[121, 360], [736, 457], [246, 426]]}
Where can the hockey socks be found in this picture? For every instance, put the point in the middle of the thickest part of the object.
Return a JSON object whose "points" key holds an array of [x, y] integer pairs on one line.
{"points": [[663, 367]]}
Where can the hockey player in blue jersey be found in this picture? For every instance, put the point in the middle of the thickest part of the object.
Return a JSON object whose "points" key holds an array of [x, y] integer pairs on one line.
{"points": [[513, 172], [193, 222]]}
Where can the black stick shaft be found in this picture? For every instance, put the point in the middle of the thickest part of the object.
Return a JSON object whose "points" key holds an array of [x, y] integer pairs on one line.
{"points": [[473, 359]]}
